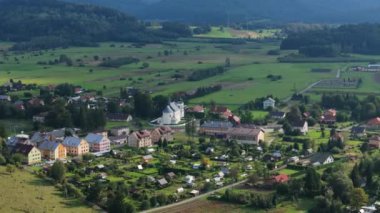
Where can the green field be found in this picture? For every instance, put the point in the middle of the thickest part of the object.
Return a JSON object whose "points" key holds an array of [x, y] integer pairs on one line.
{"points": [[24, 192], [227, 32], [245, 80]]}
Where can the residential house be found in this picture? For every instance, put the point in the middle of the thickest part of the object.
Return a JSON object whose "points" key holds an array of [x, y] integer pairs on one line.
{"points": [[98, 142], [40, 118], [215, 128], [246, 135], [118, 131], [301, 126], [317, 159], [278, 115], [76, 146], [269, 103], [119, 117], [374, 123], [36, 102], [5, 98], [173, 113], [119, 140], [374, 142], [358, 132], [17, 139], [279, 179], [223, 112], [196, 109], [140, 139], [328, 116], [162, 133], [31, 153], [52, 150]]}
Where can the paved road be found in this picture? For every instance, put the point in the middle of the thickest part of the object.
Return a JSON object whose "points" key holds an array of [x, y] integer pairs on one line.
{"points": [[193, 199]]}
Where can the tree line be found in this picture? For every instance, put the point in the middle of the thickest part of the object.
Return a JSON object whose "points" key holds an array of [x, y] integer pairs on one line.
{"points": [[364, 109], [330, 42], [65, 24]]}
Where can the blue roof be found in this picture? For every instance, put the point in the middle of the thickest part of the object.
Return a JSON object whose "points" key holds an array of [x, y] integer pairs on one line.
{"points": [[71, 141], [94, 138], [49, 145]]}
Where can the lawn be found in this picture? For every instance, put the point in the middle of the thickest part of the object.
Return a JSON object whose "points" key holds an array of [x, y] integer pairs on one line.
{"points": [[24, 192], [259, 115], [288, 171]]}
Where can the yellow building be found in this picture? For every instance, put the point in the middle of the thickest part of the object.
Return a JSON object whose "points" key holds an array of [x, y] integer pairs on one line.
{"points": [[76, 146], [52, 150], [31, 153]]}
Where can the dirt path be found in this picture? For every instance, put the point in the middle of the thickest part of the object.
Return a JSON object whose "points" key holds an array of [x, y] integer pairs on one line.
{"points": [[303, 91]]}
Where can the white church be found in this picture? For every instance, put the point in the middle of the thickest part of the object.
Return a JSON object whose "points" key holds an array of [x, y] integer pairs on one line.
{"points": [[173, 113]]}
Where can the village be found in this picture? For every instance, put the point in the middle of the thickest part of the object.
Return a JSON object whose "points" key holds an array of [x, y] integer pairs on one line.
{"points": [[178, 156]]}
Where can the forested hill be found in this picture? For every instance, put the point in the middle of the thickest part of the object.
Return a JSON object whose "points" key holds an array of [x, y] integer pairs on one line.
{"points": [[220, 11], [51, 22], [331, 42]]}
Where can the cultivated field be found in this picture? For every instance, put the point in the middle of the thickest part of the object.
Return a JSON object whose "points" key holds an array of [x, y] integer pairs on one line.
{"points": [[244, 81], [23, 192], [226, 32], [168, 65]]}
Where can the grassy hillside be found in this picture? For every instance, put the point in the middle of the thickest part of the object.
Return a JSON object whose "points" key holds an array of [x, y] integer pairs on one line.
{"points": [[23, 192]]}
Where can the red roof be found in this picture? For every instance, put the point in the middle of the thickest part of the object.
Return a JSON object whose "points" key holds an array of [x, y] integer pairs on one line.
{"points": [[330, 112], [220, 109], [164, 130], [197, 108], [234, 119], [374, 122], [282, 178], [142, 134]]}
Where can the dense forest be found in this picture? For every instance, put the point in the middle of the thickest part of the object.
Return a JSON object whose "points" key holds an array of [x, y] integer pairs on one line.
{"points": [[221, 12], [41, 24], [330, 42]]}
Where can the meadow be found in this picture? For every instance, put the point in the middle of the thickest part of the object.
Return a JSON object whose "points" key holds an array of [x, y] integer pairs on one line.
{"points": [[227, 32], [24, 192], [247, 62], [245, 80]]}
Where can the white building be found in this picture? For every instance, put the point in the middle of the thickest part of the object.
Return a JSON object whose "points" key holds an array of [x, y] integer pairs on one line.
{"points": [[173, 113], [270, 102]]}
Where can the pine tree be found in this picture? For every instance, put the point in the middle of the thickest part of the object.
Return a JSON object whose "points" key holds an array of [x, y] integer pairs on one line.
{"points": [[355, 176], [312, 182]]}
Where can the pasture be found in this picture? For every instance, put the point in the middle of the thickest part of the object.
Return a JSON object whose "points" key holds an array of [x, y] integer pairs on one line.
{"points": [[167, 66], [24, 192], [227, 32]]}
